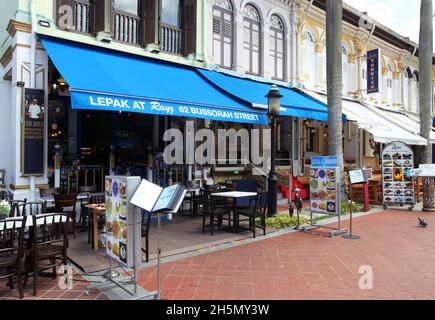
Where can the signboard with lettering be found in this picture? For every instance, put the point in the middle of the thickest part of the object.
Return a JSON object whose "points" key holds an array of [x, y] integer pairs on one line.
{"points": [[33, 133], [373, 63], [324, 162], [94, 101]]}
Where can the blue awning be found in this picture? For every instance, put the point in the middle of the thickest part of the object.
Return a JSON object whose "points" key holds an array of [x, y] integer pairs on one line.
{"points": [[102, 79], [294, 102]]}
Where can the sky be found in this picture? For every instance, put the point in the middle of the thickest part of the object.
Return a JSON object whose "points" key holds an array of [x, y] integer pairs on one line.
{"points": [[402, 16]]}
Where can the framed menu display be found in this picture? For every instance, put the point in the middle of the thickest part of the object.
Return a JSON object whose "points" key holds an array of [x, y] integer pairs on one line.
{"points": [[323, 190], [397, 181], [122, 219]]}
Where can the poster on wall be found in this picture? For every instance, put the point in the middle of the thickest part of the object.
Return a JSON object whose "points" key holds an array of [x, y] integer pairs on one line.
{"points": [[324, 175], [33, 132], [398, 185], [373, 59]]}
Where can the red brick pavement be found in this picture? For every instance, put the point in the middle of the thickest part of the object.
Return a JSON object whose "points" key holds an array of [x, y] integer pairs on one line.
{"points": [[48, 289], [304, 266]]}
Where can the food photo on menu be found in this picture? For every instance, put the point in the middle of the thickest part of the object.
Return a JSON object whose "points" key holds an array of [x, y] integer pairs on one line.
{"points": [[116, 219], [322, 190]]}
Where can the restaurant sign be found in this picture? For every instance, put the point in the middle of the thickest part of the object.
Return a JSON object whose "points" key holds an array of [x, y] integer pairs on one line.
{"points": [[33, 133], [373, 63], [95, 101]]}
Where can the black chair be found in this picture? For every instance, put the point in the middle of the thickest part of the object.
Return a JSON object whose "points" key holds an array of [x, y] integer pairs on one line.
{"points": [[89, 190], [30, 208], [212, 208], [50, 242], [257, 210], [14, 207], [46, 193], [65, 201], [12, 251], [145, 232], [96, 198]]}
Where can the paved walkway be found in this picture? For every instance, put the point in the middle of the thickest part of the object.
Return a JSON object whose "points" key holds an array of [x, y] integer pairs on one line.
{"points": [[48, 289], [304, 266]]}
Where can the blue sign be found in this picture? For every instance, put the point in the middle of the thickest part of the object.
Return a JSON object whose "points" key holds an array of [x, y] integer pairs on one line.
{"points": [[373, 71], [324, 162], [94, 101]]}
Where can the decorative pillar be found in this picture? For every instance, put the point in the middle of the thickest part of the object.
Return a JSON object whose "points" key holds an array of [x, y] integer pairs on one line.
{"points": [[265, 58], [319, 66], [351, 76], [238, 42], [384, 95], [397, 79]]}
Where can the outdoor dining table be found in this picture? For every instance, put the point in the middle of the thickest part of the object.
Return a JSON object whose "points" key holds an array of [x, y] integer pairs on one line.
{"points": [[97, 210], [234, 195]]}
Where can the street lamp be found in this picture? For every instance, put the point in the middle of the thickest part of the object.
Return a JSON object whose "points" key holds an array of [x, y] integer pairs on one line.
{"points": [[274, 104]]}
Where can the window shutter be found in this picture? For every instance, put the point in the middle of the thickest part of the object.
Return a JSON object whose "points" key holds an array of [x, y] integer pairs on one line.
{"points": [[99, 13], [217, 25], [148, 21], [189, 26], [227, 29], [60, 3]]}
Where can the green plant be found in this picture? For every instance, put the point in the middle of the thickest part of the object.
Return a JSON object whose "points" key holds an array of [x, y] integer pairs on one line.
{"points": [[283, 220], [5, 208], [345, 206]]}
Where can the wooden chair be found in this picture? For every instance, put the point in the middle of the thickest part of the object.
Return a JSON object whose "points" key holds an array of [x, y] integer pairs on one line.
{"points": [[258, 210], [12, 251], [145, 232], [46, 193], [96, 198], [14, 207], [50, 242], [211, 207], [65, 201], [89, 190], [30, 208]]}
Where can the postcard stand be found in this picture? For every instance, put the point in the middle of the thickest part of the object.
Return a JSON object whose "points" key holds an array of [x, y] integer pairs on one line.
{"points": [[132, 258], [397, 181], [325, 196]]}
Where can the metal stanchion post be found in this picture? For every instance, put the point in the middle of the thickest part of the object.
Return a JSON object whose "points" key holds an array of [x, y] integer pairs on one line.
{"points": [[350, 236]]}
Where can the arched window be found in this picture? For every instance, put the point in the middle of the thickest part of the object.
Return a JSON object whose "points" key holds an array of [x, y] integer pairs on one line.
{"points": [[345, 70], [251, 39], [308, 60], [277, 47], [223, 33]]}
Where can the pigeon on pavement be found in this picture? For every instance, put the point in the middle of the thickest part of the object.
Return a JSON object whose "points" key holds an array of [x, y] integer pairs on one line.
{"points": [[422, 222]]}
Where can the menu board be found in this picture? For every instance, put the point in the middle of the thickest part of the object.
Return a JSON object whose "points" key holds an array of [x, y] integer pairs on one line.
{"points": [[398, 186], [116, 219], [323, 192]]}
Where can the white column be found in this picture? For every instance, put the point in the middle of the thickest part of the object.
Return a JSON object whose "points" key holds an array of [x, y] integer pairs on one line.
{"points": [[319, 69], [265, 58], [384, 94], [238, 64], [21, 71]]}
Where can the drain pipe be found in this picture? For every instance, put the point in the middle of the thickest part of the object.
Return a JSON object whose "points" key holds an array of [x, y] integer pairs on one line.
{"points": [[32, 76]]}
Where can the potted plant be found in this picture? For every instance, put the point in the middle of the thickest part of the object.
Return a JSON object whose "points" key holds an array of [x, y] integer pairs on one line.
{"points": [[5, 209]]}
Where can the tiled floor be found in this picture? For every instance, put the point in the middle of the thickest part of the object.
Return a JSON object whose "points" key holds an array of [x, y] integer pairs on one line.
{"points": [[48, 289], [303, 266]]}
